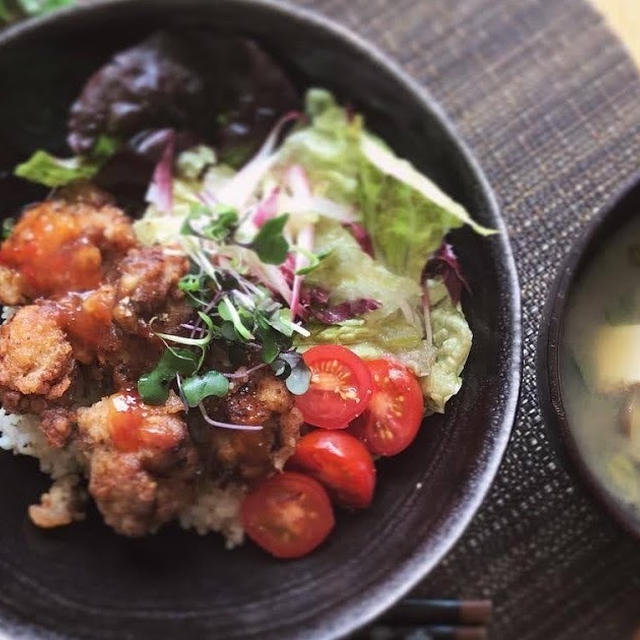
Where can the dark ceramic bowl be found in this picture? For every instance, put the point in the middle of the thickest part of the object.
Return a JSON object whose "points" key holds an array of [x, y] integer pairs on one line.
{"points": [[85, 582], [551, 344]]}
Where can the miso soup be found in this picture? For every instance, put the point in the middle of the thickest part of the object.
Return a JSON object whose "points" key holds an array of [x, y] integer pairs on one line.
{"points": [[601, 365]]}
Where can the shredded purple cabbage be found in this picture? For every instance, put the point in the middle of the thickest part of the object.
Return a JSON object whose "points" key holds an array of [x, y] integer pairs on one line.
{"points": [[345, 310], [266, 209], [362, 237], [444, 263], [160, 192], [314, 303], [311, 296]]}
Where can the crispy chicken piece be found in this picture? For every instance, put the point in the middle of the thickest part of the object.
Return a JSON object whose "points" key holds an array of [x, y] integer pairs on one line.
{"points": [[255, 401], [61, 505], [140, 461], [147, 277], [147, 288], [88, 321], [61, 245], [261, 400], [147, 294], [110, 326], [56, 423], [36, 361], [132, 357]]}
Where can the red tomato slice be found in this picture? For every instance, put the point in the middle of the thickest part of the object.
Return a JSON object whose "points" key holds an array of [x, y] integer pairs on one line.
{"points": [[341, 462], [288, 515], [340, 387], [395, 410]]}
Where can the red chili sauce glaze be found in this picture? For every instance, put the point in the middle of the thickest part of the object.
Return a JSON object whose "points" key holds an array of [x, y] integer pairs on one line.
{"points": [[86, 319], [48, 248], [132, 425]]}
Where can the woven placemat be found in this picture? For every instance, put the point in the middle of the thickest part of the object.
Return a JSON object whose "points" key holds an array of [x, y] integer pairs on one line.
{"points": [[550, 104]]}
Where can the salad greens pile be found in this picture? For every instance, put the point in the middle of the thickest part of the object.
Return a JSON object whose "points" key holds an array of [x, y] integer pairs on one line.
{"points": [[321, 237], [405, 213], [286, 220]]}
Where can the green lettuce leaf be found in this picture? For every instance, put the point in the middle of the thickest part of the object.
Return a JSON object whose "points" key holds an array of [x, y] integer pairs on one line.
{"points": [[16, 9], [348, 273], [407, 217], [191, 163], [405, 213], [44, 168], [328, 148], [452, 343], [369, 340], [402, 171]]}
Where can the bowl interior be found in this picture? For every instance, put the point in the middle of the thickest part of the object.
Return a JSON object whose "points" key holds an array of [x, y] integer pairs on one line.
{"points": [[554, 350], [84, 580]]}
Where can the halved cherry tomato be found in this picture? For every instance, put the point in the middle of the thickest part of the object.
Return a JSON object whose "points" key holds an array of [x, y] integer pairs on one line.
{"points": [[288, 515], [339, 390], [341, 462], [394, 414]]}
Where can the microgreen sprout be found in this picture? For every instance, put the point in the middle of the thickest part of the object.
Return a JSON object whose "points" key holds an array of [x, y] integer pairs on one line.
{"points": [[238, 287], [196, 388], [227, 425], [269, 243], [153, 386], [313, 259], [229, 313], [291, 367], [211, 223]]}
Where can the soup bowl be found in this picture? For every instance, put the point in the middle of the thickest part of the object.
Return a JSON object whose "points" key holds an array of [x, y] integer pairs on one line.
{"points": [[554, 355], [84, 581]]}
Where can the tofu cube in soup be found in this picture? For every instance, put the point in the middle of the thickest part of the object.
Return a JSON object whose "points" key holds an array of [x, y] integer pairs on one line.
{"points": [[616, 354]]}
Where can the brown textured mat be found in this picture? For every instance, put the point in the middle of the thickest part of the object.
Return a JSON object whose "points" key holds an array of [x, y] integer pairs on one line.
{"points": [[549, 102]]}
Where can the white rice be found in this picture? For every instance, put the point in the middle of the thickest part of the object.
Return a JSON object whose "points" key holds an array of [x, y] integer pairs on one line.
{"points": [[214, 509], [22, 435]]}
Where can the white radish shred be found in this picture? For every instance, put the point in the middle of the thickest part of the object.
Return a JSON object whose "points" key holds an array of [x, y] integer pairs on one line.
{"points": [[274, 279], [299, 186], [305, 241], [332, 209], [237, 192], [268, 274]]}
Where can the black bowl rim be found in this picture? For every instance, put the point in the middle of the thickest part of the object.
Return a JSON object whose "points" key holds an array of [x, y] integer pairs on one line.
{"points": [[392, 587], [549, 379]]}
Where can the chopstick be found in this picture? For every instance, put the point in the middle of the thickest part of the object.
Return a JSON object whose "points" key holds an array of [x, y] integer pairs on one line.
{"points": [[448, 612], [430, 619]]}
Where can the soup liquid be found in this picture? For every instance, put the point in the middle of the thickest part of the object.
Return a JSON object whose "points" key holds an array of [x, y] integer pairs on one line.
{"points": [[607, 294]]}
